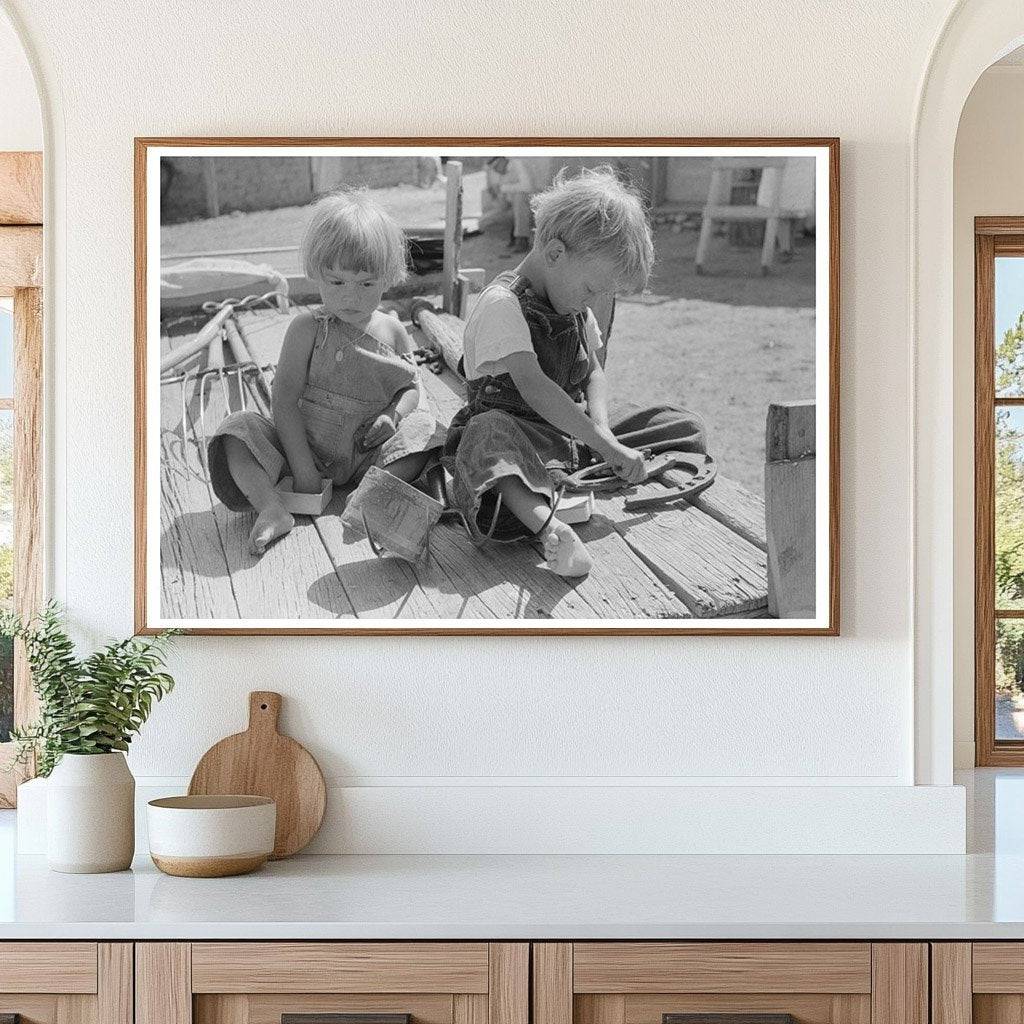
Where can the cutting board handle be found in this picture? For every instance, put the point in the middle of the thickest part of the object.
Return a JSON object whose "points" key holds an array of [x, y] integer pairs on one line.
{"points": [[264, 710]]}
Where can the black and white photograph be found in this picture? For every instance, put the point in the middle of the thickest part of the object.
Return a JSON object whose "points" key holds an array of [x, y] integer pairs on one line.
{"points": [[435, 386]]}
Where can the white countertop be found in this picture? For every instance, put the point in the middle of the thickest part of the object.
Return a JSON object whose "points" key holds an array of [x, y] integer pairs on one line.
{"points": [[532, 897], [977, 896]]}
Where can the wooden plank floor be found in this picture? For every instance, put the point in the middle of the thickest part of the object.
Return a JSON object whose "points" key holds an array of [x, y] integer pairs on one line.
{"points": [[683, 561]]}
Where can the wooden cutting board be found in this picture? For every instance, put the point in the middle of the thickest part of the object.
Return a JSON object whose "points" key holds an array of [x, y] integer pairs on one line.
{"points": [[262, 762]]}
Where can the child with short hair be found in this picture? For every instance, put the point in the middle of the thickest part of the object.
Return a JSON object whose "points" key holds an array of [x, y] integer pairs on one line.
{"points": [[538, 397], [346, 393]]}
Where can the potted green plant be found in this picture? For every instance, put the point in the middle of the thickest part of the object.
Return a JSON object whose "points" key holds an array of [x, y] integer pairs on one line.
{"points": [[89, 709]]}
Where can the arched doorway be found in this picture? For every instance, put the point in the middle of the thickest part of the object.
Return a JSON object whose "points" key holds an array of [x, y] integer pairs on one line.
{"points": [[975, 35]]}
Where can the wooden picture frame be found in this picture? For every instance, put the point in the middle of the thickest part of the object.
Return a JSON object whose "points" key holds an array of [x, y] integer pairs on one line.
{"points": [[798, 439], [21, 273]]}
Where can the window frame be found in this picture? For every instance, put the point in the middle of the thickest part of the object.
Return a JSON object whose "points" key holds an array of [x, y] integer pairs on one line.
{"points": [[21, 253], [993, 237]]}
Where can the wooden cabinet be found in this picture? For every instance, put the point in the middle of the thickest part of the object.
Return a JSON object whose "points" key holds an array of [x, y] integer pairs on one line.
{"points": [[259, 982], [647, 982], [981, 982], [66, 982], [494, 983]]}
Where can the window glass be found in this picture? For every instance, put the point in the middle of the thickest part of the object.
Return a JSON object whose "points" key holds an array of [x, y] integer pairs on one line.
{"points": [[1009, 327], [1009, 510], [1009, 679]]}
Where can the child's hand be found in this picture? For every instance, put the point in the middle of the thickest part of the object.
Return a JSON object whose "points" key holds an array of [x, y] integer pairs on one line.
{"points": [[378, 432], [306, 483], [628, 463]]}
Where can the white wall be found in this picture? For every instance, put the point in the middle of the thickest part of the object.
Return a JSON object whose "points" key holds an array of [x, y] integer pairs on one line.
{"points": [[21, 123], [444, 713], [988, 181]]}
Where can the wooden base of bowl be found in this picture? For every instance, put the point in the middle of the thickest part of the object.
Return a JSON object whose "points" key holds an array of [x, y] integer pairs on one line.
{"points": [[210, 867]]}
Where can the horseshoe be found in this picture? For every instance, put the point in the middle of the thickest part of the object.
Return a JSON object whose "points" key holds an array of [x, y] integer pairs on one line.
{"points": [[601, 477], [703, 468]]}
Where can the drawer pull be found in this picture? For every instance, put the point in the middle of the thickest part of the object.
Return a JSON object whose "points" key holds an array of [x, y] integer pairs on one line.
{"points": [[340, 1018], [728, 1018]]}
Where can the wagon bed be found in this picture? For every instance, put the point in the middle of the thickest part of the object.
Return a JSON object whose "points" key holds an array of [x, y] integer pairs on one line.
{"points": [[705, 559]]}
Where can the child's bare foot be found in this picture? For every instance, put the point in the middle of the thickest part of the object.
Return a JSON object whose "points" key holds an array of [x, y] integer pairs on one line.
{"points": [[270, 524], [565, 552]]}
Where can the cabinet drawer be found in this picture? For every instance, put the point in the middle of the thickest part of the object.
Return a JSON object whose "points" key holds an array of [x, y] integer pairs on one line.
{"points": [[48, 967], [638, 967], [261, 982], [66, 982], [750, 982], [340, 967], [981, 982], [998, 967]]}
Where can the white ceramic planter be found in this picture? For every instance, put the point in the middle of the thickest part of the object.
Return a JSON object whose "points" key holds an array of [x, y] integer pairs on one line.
{"points": [[90, 814]]}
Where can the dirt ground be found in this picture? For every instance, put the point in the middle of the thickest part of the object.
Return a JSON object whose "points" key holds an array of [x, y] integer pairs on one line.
{"points": [[724, 344]]}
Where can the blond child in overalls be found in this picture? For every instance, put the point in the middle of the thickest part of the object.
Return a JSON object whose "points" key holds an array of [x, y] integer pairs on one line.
{"points": [[538, 399], [346, 393]]}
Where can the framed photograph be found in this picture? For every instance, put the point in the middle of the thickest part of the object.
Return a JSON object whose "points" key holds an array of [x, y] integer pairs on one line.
{"points": [[487, 386]]}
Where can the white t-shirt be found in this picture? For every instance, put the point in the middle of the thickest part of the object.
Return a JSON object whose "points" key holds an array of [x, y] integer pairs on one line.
{"points": [[496, 328]]}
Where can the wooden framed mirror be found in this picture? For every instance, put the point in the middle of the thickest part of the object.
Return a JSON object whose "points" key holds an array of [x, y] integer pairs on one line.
{"points": [[21, 410]]}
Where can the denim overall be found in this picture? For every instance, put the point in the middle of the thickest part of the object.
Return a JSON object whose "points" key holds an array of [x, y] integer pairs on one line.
{"points": [[498, 434], [559, 342], [349, 383]]}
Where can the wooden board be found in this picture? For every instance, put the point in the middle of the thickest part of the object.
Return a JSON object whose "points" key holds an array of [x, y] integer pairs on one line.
{"points": [[713, 571], [552, 983], [363, 967], [508, 989], [702, 558], [48, 967], [734, 507], [115, 995], [951, 1001], [789, 493], [294, 578], [195, 580], [21, 258], [998, 967], [163, 983], [899, 989], [21, 188], [635, 967], [790, 480], [262, 762]]}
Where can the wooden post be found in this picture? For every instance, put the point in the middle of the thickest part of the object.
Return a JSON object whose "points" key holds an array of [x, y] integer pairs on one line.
{"points": [[210, 186], [718, 193], [21, 188], [771, 187], [28, 481], [163, 983], [552, 983], [899, 983], [951, 982], [115, 988], [451, 287], [789, 506], [443, 332], [508, 983], [21, 274], [659, 181]]}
